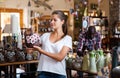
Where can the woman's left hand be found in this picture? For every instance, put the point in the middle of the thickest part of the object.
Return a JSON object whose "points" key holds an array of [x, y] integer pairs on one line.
{"points": [[37, 48]]}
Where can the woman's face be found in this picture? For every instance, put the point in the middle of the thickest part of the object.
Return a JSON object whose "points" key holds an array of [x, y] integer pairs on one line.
{"points": [[56, 22]]}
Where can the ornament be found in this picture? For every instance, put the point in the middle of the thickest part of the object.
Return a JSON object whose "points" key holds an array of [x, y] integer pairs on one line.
{"points": [[71, 11], [33, 40]]}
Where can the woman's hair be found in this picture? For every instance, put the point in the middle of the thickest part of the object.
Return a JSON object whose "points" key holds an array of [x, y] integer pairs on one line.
{"points": [[90, 32], [64, 17]]}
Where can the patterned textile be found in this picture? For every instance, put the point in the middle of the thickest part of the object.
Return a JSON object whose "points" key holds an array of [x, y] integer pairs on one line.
{"points": [[89, 44], [33, 39]]}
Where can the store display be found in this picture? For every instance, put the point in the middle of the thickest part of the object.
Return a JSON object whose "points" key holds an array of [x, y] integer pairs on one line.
{"points": [[29, 56], [7, 56], [108, 59], [92, 67], [36, 55], [10, 56], [69, 61], [2, 59], [101, 60], [116, 72], [85, 64], [42, 24], [33, 39], [77, 63], [85, 22], [101, 25], [20, 56], [7, 42]]}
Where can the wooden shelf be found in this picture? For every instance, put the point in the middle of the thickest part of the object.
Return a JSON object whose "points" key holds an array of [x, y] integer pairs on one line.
{"points": [[17, 63], [13, 65], [41, 24], [98, 17]]}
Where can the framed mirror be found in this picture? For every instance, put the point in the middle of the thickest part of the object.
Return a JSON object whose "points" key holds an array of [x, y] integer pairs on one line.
{"points": [[6, 17]]}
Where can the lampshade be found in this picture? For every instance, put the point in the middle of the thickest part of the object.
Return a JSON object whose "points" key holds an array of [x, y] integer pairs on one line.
{"points": [[7, 29]]}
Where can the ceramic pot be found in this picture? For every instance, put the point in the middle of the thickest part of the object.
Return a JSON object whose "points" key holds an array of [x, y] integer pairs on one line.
{"points": [[10, 56], [2, 59], [77, 65], [115, 72], [29, 56], [20, 56], [32, 40], [92, 67], [101, 60], [69, 62], [85, 64]]}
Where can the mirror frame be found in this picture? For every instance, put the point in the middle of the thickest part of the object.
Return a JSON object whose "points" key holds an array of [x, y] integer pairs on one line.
{"points": [[10, 10]]}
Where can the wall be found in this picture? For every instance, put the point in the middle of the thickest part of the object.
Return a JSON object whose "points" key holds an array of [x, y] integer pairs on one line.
{"points": [[22, 4], [104, 6], [57, 4]]}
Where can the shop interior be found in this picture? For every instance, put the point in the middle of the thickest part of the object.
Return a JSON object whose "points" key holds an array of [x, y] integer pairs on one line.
{"points": [[17, 16]]}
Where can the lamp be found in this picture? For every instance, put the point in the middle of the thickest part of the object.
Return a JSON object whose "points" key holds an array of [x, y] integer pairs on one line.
{"points": [[7, 36], [7, 29]]}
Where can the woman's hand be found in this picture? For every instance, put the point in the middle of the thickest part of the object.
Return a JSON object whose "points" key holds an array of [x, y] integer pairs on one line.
{"points": [[37, 48]]}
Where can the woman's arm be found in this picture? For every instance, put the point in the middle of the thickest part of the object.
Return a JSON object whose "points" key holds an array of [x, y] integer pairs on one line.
{"points": [[57, 56]]}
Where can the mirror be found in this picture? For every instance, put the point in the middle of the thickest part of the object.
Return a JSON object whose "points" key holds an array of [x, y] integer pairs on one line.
{"points": [[6, 19]]}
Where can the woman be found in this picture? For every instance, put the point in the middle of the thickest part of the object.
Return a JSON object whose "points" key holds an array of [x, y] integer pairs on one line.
{"points": [[55, 46]]}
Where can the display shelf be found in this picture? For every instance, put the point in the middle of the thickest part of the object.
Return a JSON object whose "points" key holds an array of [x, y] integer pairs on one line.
{"points": [[101, 24], [17, 63], [11, 67], [116, 30], [41, 24]]}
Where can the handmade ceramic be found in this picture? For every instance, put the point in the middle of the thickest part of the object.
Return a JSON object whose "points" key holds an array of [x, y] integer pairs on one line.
{"points": [[92, 67]]}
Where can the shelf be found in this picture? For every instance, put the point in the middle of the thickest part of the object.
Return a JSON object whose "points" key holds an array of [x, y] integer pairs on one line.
{"points": [[10, 71], [41, 24], [17, 63], [100, 24], [98, 17]]}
